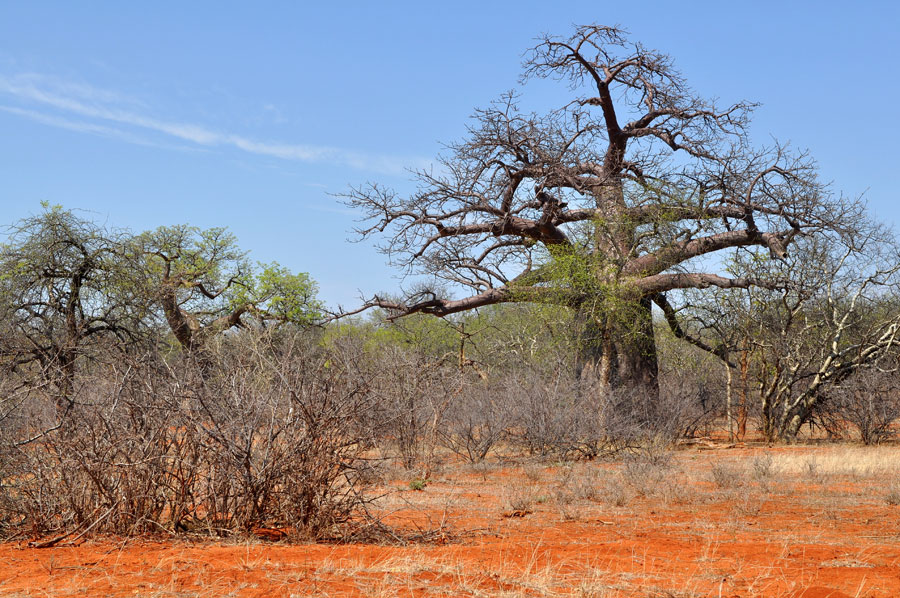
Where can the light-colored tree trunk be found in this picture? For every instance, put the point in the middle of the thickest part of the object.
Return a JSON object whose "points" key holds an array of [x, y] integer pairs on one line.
{"points": [[729, 383]]}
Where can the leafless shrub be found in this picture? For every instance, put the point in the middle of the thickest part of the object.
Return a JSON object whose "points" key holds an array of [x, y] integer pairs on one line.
{"points": [[654, 450], [584, 484], [869, 401], [534, 472], [727, 476], [571, 485], [477, 418], [763, 467], [259, 431], [645, 474], [893, 495], [676, 490], [519, 500], [748, 505], [566, 509], [812, 471], [105, 470], [545, 420], [288, 429], [764, 472], [412, 393], [546, 410], [571, 418], [690, 399], [579, 483], [613, 491]]}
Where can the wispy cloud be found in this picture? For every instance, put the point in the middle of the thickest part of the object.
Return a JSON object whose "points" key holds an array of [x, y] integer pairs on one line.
{"points": [[92, 128], [64, 123], [333, 210], [105, 106]]}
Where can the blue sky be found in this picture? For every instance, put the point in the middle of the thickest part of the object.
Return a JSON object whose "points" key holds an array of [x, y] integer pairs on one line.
{"points": [[251, 116]]}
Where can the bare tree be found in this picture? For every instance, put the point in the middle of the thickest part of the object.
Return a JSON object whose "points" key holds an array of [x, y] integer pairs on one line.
{"points": [[869, 401], [830, 315], [604, 205], [841, 318]]}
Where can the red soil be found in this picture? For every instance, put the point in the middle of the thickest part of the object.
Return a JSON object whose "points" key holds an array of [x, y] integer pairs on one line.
{"points": [[834, 536]]}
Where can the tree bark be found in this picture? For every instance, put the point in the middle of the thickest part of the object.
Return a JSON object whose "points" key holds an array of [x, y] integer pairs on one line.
{"points": [[791, 428], [729, 385], [742, 406], [618, 353], [180, 324], [631, 350]]}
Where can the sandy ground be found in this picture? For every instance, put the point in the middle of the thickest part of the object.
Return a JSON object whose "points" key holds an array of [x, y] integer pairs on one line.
{"points": [[810, 522]]}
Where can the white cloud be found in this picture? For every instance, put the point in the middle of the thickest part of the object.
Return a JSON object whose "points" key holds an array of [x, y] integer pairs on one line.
{"points": [[63, 123], [104, 105], [86, 127]]}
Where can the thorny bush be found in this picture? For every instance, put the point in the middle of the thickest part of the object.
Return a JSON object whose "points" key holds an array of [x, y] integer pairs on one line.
{"points": [[259, 431]]}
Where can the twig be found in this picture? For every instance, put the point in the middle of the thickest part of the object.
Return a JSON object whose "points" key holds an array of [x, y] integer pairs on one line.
{"points": [[60, 538]]}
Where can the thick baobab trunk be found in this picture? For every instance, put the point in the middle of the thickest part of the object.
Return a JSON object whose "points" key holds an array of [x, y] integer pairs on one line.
{"points": [[629, 351], [625, 353], [619, 354]]}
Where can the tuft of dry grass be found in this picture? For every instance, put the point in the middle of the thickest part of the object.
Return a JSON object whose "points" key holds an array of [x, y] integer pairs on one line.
{"points": [[520, 500], [763, 467], [646, 476], [893, 495], [856, 461], [727, 476]]}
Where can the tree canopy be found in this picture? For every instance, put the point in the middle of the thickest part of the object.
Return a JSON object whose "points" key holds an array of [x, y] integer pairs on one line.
{"points": [[205, 284], [607, 204], [71, 289]]}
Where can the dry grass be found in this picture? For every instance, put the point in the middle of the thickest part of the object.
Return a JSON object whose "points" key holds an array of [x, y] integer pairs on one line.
{"points": [[763, 528], [857, 461]]}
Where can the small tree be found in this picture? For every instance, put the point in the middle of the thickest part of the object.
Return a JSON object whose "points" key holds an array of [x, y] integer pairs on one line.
{"points": [[204, 284], [869, 400], [830, 313], [63, 290]]}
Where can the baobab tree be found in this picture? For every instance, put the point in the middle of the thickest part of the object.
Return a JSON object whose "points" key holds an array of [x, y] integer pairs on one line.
{"points": [[606, 205], [205, 285]]}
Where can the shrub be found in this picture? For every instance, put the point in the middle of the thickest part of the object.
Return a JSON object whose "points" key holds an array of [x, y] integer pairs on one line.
{"points": [[869, 401], [726, 476], [260, 431], [893, 495], [763, 467]]}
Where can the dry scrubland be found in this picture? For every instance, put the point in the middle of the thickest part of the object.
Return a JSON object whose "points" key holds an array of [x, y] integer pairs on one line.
{"points": [[704, 520], [157, 387]]}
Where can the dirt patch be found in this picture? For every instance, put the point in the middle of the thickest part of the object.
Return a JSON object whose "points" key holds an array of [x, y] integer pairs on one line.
{"points": [[737, 522]]}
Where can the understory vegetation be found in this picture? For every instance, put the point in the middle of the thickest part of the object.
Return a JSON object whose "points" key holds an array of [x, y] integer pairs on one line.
{"points": [[292, 428], [639, 273]]}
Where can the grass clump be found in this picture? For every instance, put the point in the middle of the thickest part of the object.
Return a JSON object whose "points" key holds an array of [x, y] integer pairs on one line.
{"points": [[418, 484], [727, 476]]}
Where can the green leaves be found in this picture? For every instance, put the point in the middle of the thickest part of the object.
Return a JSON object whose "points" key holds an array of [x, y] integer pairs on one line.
{"points": [[205, 284], [279, 295], [58, 268]]}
